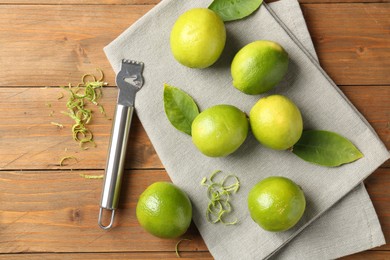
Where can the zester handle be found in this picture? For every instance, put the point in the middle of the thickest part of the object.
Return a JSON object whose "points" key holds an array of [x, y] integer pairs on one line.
{"points": [[116, 160]]}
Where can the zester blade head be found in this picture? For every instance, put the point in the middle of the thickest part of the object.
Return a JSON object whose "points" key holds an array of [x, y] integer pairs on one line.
{"points": [[129, 80]]}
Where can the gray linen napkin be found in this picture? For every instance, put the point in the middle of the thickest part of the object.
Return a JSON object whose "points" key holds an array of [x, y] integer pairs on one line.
{"points": [[322, 104]]}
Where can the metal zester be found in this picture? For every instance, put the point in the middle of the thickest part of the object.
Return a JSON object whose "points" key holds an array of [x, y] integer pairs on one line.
{"points": [[129, 80]]}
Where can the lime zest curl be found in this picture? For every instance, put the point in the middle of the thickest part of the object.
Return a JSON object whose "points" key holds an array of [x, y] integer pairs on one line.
{"points": [[63, 159], [177, 246], [218, 194]]}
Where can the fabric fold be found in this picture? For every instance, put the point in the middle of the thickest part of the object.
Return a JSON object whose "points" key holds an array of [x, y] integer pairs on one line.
{"points": [[351, 225]]}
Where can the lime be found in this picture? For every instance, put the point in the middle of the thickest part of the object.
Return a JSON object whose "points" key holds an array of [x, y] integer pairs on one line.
{"points": [[276, 122], [276, 203], [219, 130], [198, 38], [259, 66], [164, 210]]}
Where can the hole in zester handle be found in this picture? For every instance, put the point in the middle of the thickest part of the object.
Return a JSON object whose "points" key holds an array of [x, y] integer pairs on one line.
{"points": [[101, 218]]}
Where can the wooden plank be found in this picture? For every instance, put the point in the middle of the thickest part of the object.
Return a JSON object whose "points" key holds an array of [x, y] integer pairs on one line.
{"points": [[352, 41], [106, 256], [52, 45], [67, 41], [29, 141], [372, 255], [143, 2], [375, 108], [56, 211]]}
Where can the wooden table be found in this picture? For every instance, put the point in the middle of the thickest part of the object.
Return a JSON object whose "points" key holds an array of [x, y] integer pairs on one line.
{"points": [[48, 211]]}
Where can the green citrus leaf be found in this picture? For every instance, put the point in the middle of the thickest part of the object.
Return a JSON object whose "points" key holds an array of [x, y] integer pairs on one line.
{"points": [[326, 148], [230, 10], [180, 108]]}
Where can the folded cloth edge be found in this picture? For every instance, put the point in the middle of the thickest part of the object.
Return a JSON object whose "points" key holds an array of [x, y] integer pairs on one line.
{"points": [[314, 60]]}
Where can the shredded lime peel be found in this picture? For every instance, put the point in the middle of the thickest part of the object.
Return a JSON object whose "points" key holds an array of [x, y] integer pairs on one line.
{"points": [[63, 159], [60, 96], [177, 246], [218, 193], [86, 91], [57, 124], [91, 176]]}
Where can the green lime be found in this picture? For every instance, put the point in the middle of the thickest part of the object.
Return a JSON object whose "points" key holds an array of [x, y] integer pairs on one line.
{"points": [[164, 210], [219, 130], [276, 122], [259, 66], [276, 203], [198, 38]]}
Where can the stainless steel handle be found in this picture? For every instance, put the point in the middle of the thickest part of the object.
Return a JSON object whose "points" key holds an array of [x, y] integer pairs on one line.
{"points": [[115, 161]]}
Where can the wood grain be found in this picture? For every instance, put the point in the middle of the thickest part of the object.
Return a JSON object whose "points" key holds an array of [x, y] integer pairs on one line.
{"points": [[109, 256], [28, 140], [56, 211], [158, 255], [67, 41], [58, 47], [369, 255], [354, 41], [50, 212], [143, 2]]}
